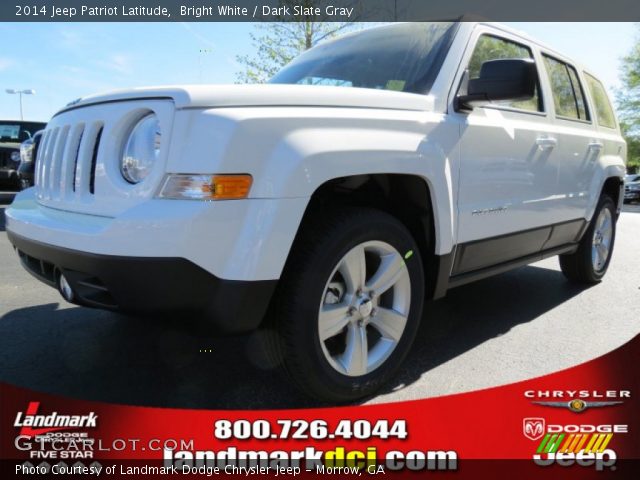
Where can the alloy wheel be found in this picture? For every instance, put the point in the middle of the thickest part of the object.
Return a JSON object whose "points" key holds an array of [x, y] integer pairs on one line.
{"points": [[364, 308]]}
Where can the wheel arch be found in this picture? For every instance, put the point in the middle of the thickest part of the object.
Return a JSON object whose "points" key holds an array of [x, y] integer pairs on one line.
{"points": [[407, 197], [614, 188]]}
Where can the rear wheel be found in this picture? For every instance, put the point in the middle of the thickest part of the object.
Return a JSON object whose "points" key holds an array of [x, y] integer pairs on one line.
{"points": [[590, 262], [349, 303]]}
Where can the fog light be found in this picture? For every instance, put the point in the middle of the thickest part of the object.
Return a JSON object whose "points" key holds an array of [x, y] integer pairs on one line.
{"points": [[65, 289]]}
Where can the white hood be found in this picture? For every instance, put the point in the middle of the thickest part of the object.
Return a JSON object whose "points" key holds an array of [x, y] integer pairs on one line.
{"points": [[203, 96]]}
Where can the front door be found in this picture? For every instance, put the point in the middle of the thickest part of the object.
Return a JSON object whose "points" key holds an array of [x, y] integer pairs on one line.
{"points": [[508, 170]]}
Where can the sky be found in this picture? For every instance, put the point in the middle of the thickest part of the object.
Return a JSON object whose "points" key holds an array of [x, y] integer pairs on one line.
{"points": [[64, 61]]}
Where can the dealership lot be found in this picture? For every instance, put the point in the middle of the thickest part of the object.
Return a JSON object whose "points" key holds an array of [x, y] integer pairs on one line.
{"points": [[511, 327]]}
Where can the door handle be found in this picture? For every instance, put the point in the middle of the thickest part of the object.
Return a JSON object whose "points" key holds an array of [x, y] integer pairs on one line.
{"points": [[546, 142]]}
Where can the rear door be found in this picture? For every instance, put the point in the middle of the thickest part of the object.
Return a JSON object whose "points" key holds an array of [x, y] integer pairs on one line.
{"points": [[578, 143], [614, 148]]}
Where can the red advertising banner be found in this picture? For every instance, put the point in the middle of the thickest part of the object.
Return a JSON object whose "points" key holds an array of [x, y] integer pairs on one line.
{"points": [[577, 423]]}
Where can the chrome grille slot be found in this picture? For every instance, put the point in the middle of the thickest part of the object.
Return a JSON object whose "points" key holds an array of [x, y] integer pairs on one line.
{"points": [[94, 159], [42, 159], [82, 178], [55, 166], [70, 163], [46, 164]]}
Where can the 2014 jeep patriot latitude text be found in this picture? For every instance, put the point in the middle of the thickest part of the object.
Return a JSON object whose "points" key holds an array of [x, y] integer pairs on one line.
{"points": [[324, 214]]}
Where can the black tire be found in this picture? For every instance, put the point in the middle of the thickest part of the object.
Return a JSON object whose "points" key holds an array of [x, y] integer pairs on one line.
{"points": [[292, 324], [578, 267]]}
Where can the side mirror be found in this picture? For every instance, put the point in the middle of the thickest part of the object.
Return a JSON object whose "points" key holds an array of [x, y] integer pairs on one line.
{"points": [[508, 79]]}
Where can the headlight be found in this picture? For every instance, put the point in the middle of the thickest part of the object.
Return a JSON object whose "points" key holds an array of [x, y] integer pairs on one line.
{"points": [[635, 188], [141, 150], [15, 156]]}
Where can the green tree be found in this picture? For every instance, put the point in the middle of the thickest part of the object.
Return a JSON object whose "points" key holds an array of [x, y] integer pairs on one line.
{"points": [[628, 100], [277, 43]]}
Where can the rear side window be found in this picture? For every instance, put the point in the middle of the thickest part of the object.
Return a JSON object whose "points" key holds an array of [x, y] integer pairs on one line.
{"points": [[604, 112], [568, 95], [495, 48]]}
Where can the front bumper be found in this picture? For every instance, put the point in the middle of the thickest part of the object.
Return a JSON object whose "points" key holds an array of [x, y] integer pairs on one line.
{"points": [[148, 285], [233, 240], [220, 258]]}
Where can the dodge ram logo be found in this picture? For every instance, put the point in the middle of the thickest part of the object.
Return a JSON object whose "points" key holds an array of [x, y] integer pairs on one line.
{"points": [[533, 428]]}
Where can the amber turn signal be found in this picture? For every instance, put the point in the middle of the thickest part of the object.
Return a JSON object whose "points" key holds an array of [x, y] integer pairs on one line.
{"points": [[227, 187], [206, 187]]}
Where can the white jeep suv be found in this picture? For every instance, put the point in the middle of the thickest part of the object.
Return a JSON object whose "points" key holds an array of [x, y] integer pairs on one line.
{"points": [[373, 172]]}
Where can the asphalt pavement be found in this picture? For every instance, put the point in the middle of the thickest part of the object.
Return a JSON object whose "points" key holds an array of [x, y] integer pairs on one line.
{"points": [[511, 327]]}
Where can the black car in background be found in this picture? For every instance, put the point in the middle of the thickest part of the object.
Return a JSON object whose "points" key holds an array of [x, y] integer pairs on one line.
{"points": [[28, 154], [12, 134], [632, 188]]}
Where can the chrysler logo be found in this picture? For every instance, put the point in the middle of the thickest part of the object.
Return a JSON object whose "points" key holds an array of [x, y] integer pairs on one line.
{"points": [[577, 405]]}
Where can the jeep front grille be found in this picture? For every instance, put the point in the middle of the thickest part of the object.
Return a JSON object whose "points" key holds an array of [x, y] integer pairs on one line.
{"points": [[66, 161], [78, 164]]}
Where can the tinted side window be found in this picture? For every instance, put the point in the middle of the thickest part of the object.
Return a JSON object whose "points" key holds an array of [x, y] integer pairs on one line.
{"points": [[604, 112], [568, 96], [581, 103], [494, 48]]}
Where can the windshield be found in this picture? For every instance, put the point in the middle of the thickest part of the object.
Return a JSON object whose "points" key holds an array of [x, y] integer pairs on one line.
{"points": [[17, 132], [632, 178], [405, 57]]}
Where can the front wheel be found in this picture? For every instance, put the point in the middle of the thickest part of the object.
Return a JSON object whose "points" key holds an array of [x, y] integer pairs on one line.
{"points": [[349, 303], [590, 262]]}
